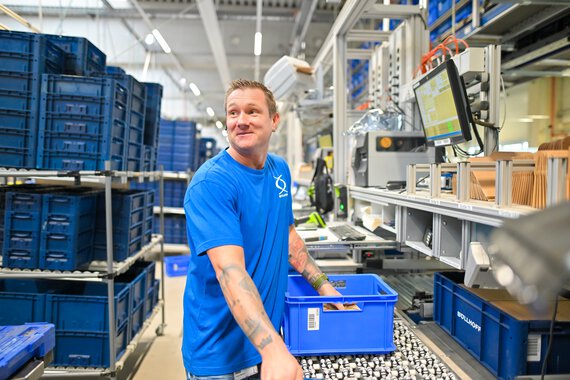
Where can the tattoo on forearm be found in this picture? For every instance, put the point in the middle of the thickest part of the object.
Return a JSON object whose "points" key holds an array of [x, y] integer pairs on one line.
{"points": [[264, 342], [252, 318], [302, 261]]}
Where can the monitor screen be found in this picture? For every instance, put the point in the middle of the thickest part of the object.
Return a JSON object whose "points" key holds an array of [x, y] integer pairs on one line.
{"points": [[444, 109]]}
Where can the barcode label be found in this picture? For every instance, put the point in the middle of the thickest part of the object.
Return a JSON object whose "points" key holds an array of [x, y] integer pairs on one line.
{"points": [[313, 318], [533, 349]]}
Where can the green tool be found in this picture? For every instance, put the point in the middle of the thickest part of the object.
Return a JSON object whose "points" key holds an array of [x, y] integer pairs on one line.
{"points": [[313, 218]]}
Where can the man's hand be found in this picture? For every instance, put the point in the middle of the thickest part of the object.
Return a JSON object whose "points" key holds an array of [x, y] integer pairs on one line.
{"points": [[280, 365], [328, 290]]}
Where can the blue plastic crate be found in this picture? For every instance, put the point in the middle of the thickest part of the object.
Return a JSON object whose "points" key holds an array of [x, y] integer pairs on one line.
{"points": [[21, 240], [176, 265], [152, 298], [311, 330], [87, 349], [42, 55], [115, 70], [82, 58], [152, 113], [21, 304], [23, 343], [69, 307], [68, 220], [494, 337], [136, 277], [137, 319], [18, 138]]}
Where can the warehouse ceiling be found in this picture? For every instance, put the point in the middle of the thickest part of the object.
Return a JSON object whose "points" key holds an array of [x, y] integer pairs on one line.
{"points": [[212, 41]]}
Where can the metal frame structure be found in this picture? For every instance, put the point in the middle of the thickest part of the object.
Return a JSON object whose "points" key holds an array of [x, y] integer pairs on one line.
{"points": [[103, 271]]}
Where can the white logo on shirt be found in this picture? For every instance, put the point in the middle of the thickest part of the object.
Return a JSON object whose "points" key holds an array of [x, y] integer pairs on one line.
{"points": [[281, 185]]}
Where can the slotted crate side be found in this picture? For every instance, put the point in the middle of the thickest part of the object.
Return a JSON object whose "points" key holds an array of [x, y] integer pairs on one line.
{"points": [[152, 113], [137, 277], [68, 307], [83, 123], [21, 302], [82, 58], [151, 298], [88, 349]]}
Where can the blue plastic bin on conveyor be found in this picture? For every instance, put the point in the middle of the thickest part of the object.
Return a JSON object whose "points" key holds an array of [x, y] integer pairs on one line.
{"points": [[20, 344]]}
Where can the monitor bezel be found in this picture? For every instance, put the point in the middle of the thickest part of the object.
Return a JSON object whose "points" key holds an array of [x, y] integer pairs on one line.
{"points": [[463, 110]]}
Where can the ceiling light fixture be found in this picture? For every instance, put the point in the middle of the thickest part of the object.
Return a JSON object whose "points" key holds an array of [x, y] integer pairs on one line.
{"points": [[219, 124], [257, 44], [210, 111], [149, 39], [194, 88], [161, 41]]}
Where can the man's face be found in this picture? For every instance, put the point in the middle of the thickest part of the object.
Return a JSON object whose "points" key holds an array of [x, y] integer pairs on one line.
{"points": [[248, 121]]}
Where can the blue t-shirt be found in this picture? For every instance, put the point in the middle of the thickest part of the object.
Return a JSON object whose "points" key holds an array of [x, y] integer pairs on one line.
{"points": [[228, 203]]}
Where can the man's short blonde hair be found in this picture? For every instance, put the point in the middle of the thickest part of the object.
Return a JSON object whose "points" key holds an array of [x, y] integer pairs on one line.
{"points": [[239, 84]]}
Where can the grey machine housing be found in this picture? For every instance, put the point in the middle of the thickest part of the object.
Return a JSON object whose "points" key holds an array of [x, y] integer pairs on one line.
{"points": [[374, 165]]}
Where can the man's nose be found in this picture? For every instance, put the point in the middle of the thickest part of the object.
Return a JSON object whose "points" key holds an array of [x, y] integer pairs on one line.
{"points": [[243, 119]]}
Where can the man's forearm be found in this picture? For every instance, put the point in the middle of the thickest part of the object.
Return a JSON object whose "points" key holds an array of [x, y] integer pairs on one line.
{"points": [[303, 263], [247, 308]]}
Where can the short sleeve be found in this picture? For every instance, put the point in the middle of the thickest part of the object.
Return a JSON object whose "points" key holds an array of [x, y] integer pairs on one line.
{"points": [[212, 217]]}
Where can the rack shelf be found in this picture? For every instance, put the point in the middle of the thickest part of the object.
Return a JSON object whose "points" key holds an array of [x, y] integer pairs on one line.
{"points": [[169, 210], [104, 271]]}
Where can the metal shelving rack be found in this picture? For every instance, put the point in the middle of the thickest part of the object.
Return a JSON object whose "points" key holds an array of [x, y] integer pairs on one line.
{"points": [[99, 271], [170, 248], [456, 219]]}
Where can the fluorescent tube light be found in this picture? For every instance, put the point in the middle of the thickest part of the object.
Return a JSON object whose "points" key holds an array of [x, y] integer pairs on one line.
{"points": [[161, 41], [210, 111], [257, 44], [194, 88]]}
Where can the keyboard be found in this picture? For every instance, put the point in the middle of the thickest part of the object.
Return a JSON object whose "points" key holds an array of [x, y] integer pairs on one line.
{"points": [[347, 233]]}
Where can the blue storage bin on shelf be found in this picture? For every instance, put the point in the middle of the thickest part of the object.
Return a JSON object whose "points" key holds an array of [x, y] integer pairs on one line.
{"points": [[309, 329], [22, 229], [88, 348], [176, 265], [82, 57], [136, 278], [22, 343], [83, 306], [83, 123], [498, 331], [137, 319], [128, 223], [21, 302], [68, 220], [152, 298], [152, 113], [24, 57]]}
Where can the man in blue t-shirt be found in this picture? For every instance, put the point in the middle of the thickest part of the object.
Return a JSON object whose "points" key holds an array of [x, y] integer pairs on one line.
{"points": [[242, 238]]}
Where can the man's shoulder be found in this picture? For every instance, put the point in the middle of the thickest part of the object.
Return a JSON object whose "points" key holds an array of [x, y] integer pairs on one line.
{"points": [[212, 171]]}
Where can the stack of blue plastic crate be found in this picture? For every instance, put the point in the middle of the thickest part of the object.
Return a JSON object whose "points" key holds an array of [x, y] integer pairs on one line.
{"points": [[135, 116], [178, 145], [48, 228], [81, 341], [81, 56], [24, 57], [174, 229], [141, 279], [151, 125], [83, 123], [207, 149], [130, 224], [68, 219]]}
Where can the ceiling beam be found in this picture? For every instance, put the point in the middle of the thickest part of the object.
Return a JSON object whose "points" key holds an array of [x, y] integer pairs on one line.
{"points": [[214, 34], [302, 22]]}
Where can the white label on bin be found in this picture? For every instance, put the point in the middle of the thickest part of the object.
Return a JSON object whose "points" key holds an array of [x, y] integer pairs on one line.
{"points": [[313, 318], [533, 349]]}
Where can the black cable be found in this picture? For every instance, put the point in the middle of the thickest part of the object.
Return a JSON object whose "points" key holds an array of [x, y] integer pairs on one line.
{"points": [[550, 338], [419, 180], [484, 124]]}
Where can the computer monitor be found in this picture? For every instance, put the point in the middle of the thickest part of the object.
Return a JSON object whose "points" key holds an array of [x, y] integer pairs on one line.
{"points": [[444, 108]]}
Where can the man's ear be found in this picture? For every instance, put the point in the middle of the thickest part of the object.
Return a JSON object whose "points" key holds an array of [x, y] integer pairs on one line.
{"points": [[275, 120]]}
